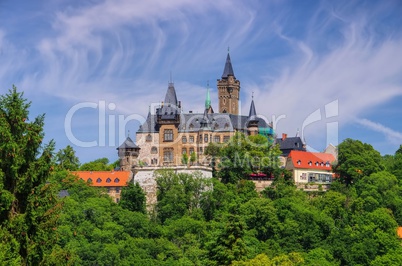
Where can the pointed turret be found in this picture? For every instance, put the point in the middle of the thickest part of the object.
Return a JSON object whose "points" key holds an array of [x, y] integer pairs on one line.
{"points": [[207, 100], [252, 112], [252, 123], [228, 70], [170, 108]]}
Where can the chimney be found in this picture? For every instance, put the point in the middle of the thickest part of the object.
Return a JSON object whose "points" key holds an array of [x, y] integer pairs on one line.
{"points": [[284, 136]]}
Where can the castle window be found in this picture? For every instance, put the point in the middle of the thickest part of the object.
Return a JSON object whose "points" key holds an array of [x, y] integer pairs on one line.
{"points": [[108, 180], [168, 135], [98, 180], [168, 155], [217, 139], [148, 138], [184, 151], [226, 139], [184, 139], [116, 180], [191, 139], [205, 138], [154, 150]]}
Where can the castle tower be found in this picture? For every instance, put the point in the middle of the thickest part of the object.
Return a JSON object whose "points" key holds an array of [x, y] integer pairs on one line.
{"points": [[128, 153], [252, 122], [228, 90]]}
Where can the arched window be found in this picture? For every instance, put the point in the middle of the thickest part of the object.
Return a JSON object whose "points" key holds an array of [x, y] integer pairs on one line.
{"points": [[154, 150], [148, 138], [98, 180], [191, 127], [108, 180], [116, 180]]}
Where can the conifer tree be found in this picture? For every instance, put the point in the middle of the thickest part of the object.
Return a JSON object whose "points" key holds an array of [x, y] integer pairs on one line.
{"points": [[28, 205]]}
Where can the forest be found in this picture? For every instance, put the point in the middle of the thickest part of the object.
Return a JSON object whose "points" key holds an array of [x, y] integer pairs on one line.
{"points": [[48, 217]]}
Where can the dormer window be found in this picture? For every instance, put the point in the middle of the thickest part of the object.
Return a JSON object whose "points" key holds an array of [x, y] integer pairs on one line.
{"points": [[327, 164], [298, 162], [191, 127], [310, 163], [108, 180], [89, 180], [316, 163], [322, 164], [98, 180], [116, 180]]}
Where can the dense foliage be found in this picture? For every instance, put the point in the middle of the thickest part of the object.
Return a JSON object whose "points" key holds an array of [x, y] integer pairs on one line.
{"points": [[196, 221]]}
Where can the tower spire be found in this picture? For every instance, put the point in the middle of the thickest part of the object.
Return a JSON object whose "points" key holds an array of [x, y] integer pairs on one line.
{"points": [[228, 70], [208, 98]]}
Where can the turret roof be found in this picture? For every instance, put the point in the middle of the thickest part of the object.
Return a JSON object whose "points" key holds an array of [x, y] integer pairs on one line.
{"points": [[228, 71]]}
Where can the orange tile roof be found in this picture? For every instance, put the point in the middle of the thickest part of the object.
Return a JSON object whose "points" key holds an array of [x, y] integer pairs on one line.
{"points": [[311, 160], [399, 232], [104, 178]]}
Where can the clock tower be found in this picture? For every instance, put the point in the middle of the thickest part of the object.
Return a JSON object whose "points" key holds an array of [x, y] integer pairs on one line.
{"points": [[228, 90]]}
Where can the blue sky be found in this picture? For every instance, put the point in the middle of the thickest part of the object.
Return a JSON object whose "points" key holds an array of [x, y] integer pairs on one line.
{"points": [[330, 69]]}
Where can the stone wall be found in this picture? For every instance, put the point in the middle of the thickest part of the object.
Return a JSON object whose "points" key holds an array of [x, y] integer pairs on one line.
{"points": [[145, 176], [146, 141]]}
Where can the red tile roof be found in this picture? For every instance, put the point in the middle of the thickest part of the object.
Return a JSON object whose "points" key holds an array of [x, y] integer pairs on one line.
{"points": [[399, 232], [104, 178], [311, 160]]}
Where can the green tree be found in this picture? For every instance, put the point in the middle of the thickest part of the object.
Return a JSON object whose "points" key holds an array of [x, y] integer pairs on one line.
{"points": [[355, 160], [28, 206], [184, 159], [193, 158], [101, 164], [67, 160], [243, 155], [133, 198]]}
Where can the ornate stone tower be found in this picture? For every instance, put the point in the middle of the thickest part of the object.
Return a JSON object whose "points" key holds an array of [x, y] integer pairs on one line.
{"points": [[228, 90]]}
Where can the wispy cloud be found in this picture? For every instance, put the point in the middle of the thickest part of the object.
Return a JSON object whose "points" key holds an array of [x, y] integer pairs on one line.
{"points": [[392, 135]]}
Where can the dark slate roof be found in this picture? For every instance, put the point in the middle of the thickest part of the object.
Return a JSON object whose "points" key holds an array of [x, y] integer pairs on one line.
{"points": [[128, 144], [170, 107], [290, 143], [252, 112], [192, 122], [228, 68]]}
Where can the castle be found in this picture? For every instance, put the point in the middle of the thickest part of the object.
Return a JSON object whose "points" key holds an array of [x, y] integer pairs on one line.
{"points": [[169, 135]]}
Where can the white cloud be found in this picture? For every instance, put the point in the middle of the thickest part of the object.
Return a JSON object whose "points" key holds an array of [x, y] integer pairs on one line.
{"points": [[392, 135]]}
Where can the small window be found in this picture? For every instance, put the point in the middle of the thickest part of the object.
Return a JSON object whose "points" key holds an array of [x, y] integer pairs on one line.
{"points": [[117, 189], [191, 139], [298, 162], [201, 149], [191, 127], [217, 139], [310, 163], [226, 126], [191, 150], [98, 180], [154, 150], [184, 151], [148, 138], [168, 135], [117, 200], [327, 164], [206, 138], [226, 139], [184, 139], [316, 163], [116, 180], [108, 180]]}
